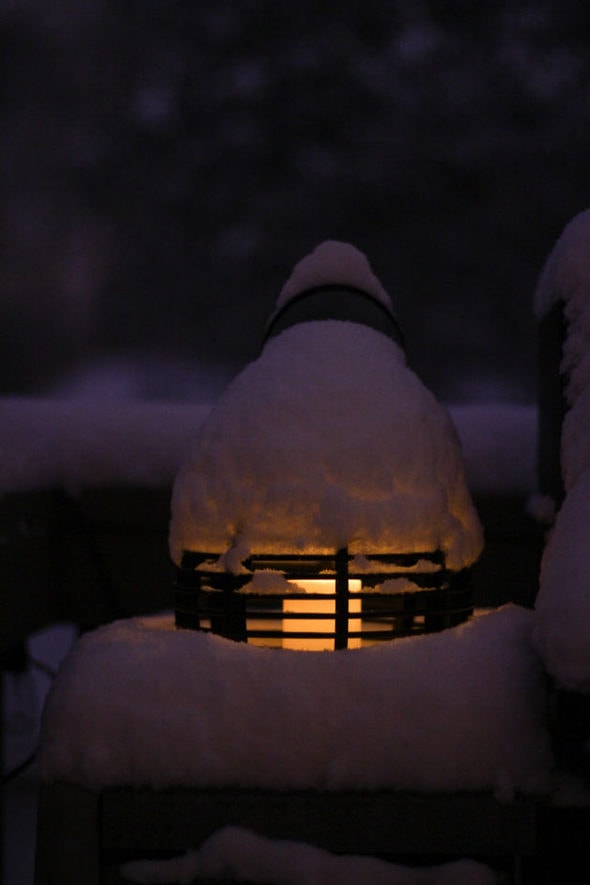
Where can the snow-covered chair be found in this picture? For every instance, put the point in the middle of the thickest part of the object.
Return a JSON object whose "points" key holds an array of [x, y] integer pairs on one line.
{"points": [[328, 451]]}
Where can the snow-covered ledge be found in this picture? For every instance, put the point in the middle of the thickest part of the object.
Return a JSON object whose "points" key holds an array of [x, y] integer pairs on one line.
{"points": [[79, 444], [459, 710]]}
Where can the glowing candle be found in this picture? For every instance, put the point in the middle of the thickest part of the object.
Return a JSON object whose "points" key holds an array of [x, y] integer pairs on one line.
{"points": [[319, 606]]}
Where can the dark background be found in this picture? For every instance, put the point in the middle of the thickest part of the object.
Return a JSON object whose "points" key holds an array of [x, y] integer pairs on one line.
{"points": [[164, 164]]}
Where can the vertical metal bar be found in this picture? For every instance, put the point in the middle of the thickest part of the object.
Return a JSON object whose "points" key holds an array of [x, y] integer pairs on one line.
{"points": [[341, 631], [186, 599]]}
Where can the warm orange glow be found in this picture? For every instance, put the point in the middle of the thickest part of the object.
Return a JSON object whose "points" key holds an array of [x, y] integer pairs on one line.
{"points": [[319, 606]]}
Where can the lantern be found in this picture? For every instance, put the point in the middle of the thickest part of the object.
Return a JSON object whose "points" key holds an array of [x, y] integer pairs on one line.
{"points": [[325, 503]]}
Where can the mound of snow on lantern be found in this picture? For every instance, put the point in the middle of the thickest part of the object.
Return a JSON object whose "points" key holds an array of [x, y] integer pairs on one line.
{"points": [[327, 440], [333, 263]]}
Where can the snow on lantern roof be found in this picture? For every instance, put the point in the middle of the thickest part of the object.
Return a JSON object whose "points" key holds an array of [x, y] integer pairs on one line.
{"points": [[335, 281], [327, 440], [333, 263]]}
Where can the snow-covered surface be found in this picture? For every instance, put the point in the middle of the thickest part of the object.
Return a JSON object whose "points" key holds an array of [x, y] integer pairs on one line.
{"points": [[83, 443], [138, 702], [238, 853], [327, 440], [566, 278], [575, 440], [562, 623], [332, 263], [563, 602]]}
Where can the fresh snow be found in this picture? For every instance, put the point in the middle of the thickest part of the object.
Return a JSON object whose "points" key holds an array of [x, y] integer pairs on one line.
{"points": [[79, 443], [565, 279], [86, 443], [246, 856], [563, 601], [562, 623], [327, 440], [457, 710], [333, 263]]}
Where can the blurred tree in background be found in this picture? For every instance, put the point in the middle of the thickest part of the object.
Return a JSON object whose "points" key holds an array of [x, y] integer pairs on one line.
{"points": [[165, 162]]}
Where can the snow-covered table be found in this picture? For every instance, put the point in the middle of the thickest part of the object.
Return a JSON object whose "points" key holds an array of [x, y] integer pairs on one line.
{"points": [[154, 739]]}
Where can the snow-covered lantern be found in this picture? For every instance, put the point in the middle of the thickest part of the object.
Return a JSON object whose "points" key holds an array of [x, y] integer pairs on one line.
{"points": [[325, 503]]}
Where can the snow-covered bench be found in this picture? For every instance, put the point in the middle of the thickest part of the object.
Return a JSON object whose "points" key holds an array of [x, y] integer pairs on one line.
{"points": [[154, 738]]}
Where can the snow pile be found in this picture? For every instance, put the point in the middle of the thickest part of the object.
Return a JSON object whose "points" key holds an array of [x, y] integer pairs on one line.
{"points": [[327, 440], [563, 601], [562, 625], [245, 856], [138, 702], [81, 444], [566, 279], [575, 440]]}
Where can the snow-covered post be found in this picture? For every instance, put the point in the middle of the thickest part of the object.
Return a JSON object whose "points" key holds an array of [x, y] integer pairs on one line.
{"points": [[562, 612], [562, 310], [328, 442]]}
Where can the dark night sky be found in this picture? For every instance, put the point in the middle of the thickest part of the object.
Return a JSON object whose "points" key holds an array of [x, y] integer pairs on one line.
{"points": [[165, 164]]}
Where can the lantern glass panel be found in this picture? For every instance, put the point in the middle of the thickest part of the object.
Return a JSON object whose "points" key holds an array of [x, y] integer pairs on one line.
{"points": [[319, 625]]}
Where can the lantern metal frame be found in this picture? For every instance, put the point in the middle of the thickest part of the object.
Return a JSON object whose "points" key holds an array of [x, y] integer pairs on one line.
{"points": [[213, 600], [335, 301]]}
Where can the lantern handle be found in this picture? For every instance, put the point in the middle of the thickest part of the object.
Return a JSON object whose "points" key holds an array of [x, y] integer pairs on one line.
{"points": [[328, 304]]}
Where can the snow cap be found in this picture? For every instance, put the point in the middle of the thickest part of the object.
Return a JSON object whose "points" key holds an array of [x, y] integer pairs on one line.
{"points": [[333, 262], [565, 280], [566, 273], [327, 440]]}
